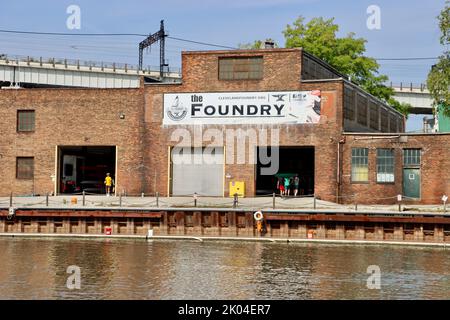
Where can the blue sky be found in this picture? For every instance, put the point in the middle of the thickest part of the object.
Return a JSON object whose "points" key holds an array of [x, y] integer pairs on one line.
{"points": [[408, 28]]}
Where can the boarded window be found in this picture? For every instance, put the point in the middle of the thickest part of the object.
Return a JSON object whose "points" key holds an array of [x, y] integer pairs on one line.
{"points": [[373, 115], [385, 165], [360, 165], [349, 104], [25, 120], [241, 68], [25, 168], [411, 157], [362, 109]]}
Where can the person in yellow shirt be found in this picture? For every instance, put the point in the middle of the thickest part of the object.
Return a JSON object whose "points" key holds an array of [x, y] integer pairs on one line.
{"points": [[108, 184]]}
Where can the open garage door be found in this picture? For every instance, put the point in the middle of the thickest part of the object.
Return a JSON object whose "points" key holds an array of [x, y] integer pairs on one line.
{"points": [[197, 170], [292, 161], [84, 168]]}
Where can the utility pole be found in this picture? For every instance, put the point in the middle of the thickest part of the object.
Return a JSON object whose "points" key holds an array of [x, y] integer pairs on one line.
{"points": [[151, 39]]}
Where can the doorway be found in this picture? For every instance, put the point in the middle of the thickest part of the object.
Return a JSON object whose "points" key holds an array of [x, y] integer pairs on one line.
{"points": [[84, 168]]}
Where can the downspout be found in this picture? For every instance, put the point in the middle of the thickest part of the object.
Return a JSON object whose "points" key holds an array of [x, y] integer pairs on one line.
{"points": [[338, 169]]}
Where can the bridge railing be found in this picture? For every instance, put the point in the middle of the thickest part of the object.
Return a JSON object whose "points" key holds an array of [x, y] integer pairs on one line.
{"points": [[64, 62], [408, 86]]}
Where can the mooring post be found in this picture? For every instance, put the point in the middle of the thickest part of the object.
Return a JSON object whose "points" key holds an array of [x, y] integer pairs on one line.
{"points": [[84, 198], [46, 199], [444, 199], [273, 200], [157, 199]]}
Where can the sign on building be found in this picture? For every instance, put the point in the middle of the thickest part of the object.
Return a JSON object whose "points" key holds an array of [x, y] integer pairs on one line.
{"points": [[242, 108]]}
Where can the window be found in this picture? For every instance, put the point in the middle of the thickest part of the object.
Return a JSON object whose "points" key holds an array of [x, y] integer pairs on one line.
{"points": [[373, 115], [360, 165], [349, 103], [25, 168], [384, 120], [25, 120], [411, 157], [385, 165], [362, 109], [242, 68]]}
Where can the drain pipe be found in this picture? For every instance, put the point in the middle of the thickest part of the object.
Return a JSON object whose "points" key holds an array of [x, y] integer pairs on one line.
{"points": [[338, 169]]}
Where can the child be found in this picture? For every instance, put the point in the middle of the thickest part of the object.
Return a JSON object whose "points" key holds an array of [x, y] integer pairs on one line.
{"points": [[108, 183]]}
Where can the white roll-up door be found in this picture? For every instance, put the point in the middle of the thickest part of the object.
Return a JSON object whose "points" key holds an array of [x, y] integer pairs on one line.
{"points": [[197, 170]]}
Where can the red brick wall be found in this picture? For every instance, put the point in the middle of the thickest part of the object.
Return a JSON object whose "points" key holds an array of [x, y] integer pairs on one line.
{"points": [[281, 72], [435, 168], [66, 117]]}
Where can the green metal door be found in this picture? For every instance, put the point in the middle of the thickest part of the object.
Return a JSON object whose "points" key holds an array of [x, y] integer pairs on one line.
{"points": [[411, 183]]}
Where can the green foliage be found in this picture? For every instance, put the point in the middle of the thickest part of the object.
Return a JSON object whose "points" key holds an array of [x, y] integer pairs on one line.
{"points": [[346, 54], [257, 44], [438, 81]]}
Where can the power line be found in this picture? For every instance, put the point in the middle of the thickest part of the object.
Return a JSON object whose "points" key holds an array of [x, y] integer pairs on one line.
{"points": [[110, 35], [402, 59], [173, 38]]}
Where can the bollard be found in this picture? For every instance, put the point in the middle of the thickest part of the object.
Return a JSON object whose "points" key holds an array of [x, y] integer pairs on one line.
{"points": [[235, 200], [142, 195], [10, 200], [120, 200], [195, 199], [84, 198], [356, 206], [273, 200], [315, 204], [399, 200], [46, 200], [444, 199], [157, 199]]}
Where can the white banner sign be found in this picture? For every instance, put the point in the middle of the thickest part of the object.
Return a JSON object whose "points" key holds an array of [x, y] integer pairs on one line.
{"points": [[242, 107]]}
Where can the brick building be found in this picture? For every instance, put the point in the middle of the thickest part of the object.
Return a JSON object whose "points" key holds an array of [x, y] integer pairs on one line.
{"points": [[349, 147]]}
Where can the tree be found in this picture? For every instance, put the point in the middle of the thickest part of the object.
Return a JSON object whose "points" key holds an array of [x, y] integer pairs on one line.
{"points": [[438, 81], [346, 54]]}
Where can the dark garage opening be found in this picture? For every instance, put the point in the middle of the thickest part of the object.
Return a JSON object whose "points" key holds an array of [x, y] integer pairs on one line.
{"points": [[292, 161], [83, 168]]}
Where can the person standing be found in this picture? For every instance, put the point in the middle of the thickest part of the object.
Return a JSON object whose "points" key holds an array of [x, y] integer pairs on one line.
{"points": [[296, 184], [108, 184], [287, 185], [280, 185]]}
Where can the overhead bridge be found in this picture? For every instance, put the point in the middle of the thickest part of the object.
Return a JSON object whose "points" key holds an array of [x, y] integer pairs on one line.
{"points": [[418, 96], [29, 72]]}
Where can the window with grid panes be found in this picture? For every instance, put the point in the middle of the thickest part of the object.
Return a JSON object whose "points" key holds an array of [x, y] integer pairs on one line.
{"points": [[362, 109], [385, 165], [349, 103], [360, 165], [373, 107], [241, 68], [25, 120], [411, 157], [24, 168]]}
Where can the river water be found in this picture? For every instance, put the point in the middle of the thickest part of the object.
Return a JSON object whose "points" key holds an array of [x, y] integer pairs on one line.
{"points": [[36, 268]]}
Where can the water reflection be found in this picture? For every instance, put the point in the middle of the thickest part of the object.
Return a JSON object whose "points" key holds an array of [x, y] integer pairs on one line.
{"points": [[137, 269]]}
